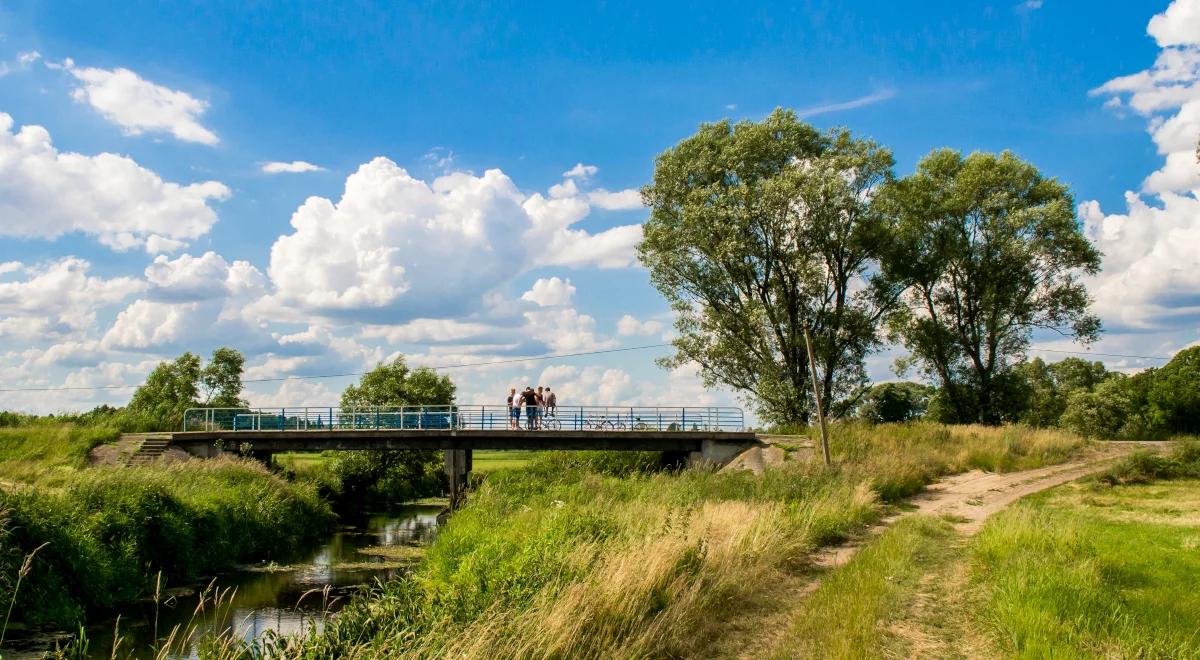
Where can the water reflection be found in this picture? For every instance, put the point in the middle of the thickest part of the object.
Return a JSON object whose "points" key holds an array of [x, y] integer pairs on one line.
{"points": [[281, 598]]}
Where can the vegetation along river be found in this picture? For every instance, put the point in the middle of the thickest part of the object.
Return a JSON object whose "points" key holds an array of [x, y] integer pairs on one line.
{"points": [[256, 599]]}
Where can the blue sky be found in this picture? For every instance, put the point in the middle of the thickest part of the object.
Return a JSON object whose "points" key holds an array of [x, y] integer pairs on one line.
{"points": [[480, 112]]}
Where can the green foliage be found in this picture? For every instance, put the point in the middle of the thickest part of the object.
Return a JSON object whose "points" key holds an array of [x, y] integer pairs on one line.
{"points": [[991, 250], [1155, 403], [375, 479], [221, 379], [1048, 387], [173, 387], [110, 530], [1174, 394], [386, 478], [757, 229], [893, 402], [394, 384], [1143, 467]]}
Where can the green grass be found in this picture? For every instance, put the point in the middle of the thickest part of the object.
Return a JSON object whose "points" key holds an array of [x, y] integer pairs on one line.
{"points": [[598, 554], [45, 452], [487, 461], [1089, 570], [845, 616], [109, 530]]}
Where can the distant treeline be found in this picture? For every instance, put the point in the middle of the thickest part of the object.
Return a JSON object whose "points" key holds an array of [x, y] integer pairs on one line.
{"points": [[1073, 394]]}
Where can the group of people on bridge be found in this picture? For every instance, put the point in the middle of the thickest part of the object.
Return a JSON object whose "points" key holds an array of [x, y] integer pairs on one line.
{"points": [[538, 404]]}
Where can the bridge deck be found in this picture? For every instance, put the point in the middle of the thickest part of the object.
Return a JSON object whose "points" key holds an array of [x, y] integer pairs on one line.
{"points": [[323, 439]]}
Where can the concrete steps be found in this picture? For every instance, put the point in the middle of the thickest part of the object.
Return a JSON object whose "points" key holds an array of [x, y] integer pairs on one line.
{"points": [[150, 449]]}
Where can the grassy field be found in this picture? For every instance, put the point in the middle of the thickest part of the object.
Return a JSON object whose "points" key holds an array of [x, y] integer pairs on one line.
{"points": [[602, 555], [483, 462], [1100, 572], [1105, 567], [105, 533]]}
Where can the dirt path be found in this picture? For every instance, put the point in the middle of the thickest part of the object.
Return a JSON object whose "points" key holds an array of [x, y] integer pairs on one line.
{"points": [[970, 498]]}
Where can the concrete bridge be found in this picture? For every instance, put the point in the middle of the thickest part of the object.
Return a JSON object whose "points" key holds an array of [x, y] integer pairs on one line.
{"points": [[694, 435]]}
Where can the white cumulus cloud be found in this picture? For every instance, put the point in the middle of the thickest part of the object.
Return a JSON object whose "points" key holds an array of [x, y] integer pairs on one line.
{"points": [[46, 193], [550, 292], [138, 105], [410, 249], [581, 171], [1151, 276], [628, 326], [57, 299]]}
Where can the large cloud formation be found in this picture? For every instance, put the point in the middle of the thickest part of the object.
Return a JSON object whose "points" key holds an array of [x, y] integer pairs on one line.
{"points": [[46, 193], [401, 249], [1151, 276]]}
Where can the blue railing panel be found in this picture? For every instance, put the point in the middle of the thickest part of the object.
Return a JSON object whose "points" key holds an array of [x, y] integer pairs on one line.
{"points": [[478, 417]]}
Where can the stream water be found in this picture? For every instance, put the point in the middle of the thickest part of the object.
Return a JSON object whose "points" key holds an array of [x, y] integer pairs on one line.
{"points": [[284, 598]]}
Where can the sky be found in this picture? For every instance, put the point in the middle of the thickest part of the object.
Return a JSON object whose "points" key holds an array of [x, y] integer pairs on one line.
{"points": [[325, 187]]}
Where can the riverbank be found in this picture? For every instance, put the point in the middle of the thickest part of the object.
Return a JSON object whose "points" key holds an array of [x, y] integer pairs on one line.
{"points": [[100, 537]]}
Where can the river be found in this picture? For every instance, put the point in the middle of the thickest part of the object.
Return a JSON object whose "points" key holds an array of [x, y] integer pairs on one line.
{"points": [[284, 598]]}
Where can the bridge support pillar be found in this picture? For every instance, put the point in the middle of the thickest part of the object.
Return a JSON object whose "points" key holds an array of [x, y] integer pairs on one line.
{"points": [[458, 467], [717, 453]]}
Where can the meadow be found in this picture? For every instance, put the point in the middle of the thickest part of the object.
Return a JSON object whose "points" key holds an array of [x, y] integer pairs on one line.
{"points": [[604, 555]]}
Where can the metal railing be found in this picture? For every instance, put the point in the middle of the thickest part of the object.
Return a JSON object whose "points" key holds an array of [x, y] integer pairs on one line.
{"points": [[561, 418]]}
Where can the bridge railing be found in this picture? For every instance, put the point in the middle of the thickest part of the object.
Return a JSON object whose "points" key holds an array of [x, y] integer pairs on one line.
{"points": [[466, 417]]}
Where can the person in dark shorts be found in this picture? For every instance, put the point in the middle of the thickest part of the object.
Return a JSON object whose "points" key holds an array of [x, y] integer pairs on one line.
{"points": [[529, 398], [541, 406], [551, 402]]}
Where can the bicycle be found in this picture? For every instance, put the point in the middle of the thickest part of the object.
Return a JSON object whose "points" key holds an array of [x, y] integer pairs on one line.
{"points": [[603, 423], [550, 422]]}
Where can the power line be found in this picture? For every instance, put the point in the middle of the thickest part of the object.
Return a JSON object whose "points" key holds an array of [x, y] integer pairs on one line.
{"points": [[360, 373], [508, 361], [1118, 355]]}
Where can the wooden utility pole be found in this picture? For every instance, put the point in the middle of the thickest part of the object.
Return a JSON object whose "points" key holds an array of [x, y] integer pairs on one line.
{"points": [[812, 365]]}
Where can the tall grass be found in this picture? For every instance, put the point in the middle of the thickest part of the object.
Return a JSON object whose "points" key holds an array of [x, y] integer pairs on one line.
{"points": [[43, 452], [600, 555], [109, 530]]}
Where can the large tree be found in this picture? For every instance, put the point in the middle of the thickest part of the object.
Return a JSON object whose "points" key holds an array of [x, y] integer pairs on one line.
{"points": [[757, 229], [991, 251]]}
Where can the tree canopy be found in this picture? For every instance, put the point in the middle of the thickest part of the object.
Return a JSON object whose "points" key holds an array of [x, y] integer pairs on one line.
{"points": [[394, 384], [173, 387], [990, 250], [757, 229]]}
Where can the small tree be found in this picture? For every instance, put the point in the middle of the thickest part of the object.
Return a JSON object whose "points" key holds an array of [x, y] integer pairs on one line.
{"points": [[387, 477], [170, 389], [394, 384], [894, 402], [173, 387], [991, 251], [221, 379]]}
